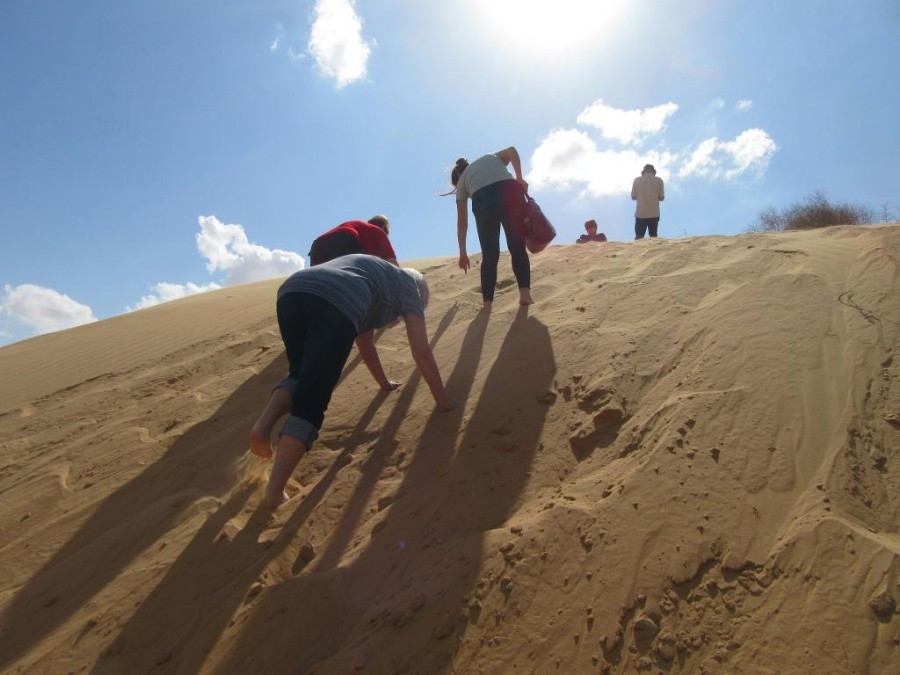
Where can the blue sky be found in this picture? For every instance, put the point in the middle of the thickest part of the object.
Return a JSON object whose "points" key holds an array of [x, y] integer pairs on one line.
{"points": [[150, 150]]}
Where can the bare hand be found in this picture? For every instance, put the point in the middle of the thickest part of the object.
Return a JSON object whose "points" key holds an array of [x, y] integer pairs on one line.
{"points": [[464, 262]]}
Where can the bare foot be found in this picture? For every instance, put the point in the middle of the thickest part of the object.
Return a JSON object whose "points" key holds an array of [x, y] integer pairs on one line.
{"points": [[260, 442], [488, 304], [525, 297], [261, 434]]}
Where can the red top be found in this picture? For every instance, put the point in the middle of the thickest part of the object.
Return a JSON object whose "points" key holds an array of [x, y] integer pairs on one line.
{"points": [[372, 239]]}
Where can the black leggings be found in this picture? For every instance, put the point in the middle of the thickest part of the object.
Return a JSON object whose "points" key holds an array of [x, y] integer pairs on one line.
{"points": [[495, 205], [317, 339]]}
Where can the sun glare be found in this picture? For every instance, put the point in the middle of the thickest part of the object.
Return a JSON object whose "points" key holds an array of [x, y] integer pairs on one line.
{"points": [[548, 27]]}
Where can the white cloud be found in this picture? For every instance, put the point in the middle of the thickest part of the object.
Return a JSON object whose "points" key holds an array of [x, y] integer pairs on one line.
{"points": [[279, 35], [336, 42], [751, 152], [716, 104], [227, 249], [43, 310], [626, 126], [569, 158], [164, 292], [743, 104]]}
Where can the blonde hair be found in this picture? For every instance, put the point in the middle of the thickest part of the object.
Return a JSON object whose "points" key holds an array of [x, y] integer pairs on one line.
{"points": [[421, 284]]}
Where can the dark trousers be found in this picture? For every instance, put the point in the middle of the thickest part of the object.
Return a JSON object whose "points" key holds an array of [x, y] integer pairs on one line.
{"points": [[333, 245], [317, 339], [500, 205], [641, 225]]}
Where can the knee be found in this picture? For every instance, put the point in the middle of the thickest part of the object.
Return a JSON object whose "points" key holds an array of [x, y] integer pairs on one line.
{"points": [[301, 429]]}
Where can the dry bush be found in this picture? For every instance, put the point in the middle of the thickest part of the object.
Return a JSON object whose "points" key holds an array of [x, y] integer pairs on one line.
{"points": [[816, 211]]}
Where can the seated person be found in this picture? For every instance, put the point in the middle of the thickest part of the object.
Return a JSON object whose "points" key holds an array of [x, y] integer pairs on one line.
{"points": [[590, 228], [354, 236]]}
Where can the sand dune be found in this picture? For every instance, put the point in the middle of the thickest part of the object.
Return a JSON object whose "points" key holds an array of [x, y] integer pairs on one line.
{"points": [[682, 459]]}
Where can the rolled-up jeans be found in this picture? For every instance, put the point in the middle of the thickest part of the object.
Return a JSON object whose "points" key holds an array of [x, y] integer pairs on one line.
{"points": [[317, 339]]}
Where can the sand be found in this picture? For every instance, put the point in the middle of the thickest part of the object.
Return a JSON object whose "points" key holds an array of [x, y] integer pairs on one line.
{"points": [[682, 459]]}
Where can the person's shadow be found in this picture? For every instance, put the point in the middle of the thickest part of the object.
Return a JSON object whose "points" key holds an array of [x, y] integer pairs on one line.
{"points": [[188, 611], [200, 463], [396, 606]]}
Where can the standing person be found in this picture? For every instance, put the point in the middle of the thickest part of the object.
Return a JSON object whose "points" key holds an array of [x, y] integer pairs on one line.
{"points": [[497, 200], [354, 236], [322, 310], [647, 190], [590, 233]]}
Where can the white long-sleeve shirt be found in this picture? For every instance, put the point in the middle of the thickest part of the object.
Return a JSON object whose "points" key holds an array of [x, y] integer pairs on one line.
{"points": [[648, 192]]}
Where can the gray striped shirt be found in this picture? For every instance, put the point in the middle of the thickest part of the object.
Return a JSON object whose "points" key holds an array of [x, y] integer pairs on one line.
{"points": [[367, 290]]}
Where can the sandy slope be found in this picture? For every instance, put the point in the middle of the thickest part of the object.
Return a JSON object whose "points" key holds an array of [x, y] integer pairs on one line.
{"points": [[683, 459]]}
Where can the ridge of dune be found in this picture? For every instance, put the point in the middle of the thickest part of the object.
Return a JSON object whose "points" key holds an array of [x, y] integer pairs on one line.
{"points": [[682, 459]]}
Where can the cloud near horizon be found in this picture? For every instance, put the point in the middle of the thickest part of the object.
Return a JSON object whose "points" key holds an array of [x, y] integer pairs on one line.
{"points": [[571, 159], [226, 249], [336, 43], [164, 292], [42, 310]]}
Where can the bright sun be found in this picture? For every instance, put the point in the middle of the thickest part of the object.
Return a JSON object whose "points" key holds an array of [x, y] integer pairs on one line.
{"points": [[550, 26]]}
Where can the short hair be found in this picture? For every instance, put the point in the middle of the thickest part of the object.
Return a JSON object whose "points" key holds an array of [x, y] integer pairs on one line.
{"points": [[421, 284], [381, 221]]}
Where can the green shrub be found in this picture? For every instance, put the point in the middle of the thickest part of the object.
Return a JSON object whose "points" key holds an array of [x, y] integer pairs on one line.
{"points": [[813, 213]]}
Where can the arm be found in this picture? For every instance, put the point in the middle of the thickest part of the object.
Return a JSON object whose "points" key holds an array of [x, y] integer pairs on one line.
{"points": [[424, 358], [462, 228], [634, 190], [511, 155], [366, 344], [662, 191]]}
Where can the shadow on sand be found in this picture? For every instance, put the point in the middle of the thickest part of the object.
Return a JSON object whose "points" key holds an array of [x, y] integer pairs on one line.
{"points": [[425, 558], [180, 622]]}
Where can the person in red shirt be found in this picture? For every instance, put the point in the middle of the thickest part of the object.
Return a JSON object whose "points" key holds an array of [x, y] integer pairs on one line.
{"points": [[354, 236]]}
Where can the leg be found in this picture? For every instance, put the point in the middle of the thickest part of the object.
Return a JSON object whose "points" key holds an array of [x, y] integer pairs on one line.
{"points": [[261, 433], [325, 338], [292, 325], [640, 228], [486, 209], [653, 225], [290, 450], [511, 217]]}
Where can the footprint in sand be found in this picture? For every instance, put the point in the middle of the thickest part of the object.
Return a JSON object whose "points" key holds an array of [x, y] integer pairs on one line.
{"points": [[63, 478], [144, 434], [600, 432]]}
